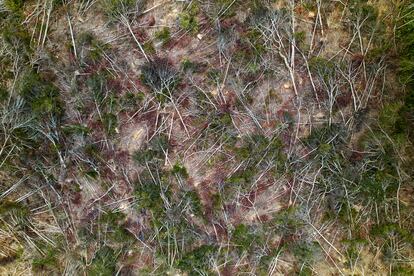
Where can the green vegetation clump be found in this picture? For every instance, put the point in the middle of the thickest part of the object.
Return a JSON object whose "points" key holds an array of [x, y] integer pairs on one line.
{"points": [[258, 151], [115, 229], [326, 137], [195, 203], [196, 261], [105, 100], [16, 37], [405, 122], [115, 9], [76, 129], [110, 122], [363, 10], [148, 194], [48, 262], [251, 50], [163, 35], [14, 6], [4, 94], [90, 49], [242, 238], [12, 209], [104, 262], [179, 170], [154, 151], [130, 101], [41, 95], [188, 18], [149, 48]]}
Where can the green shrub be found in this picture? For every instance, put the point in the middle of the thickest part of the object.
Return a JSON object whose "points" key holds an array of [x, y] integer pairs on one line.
{"points": [[42, 96], [85, 39], [114, 9], [163, 35], [14, 5], [4, 94], [97, 84], [110, 122], [388, 234], [179, 170], [149, 48], [362, 10], [196, 262], [325, 69], [43, 104], [257, 152], [190, 66], [130, 101], [353, 248], [16, 36], [195, 203], [114, 229], [387, 230], [148, 193], [188, 20], [305, 270], [154, 151], [288, 222], [402, 270], [261, 150], [10, 209], [255, 43], [76, 129], [48, 262], [251, 49], [405, 36], [334, 134], [90, 48], [379, 185], [389, 115], [242, 238], [103, 263], [221, 121], [243, 176]]}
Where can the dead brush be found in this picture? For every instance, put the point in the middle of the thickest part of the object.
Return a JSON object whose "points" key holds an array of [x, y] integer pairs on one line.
{"points": [[159, 75]]}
